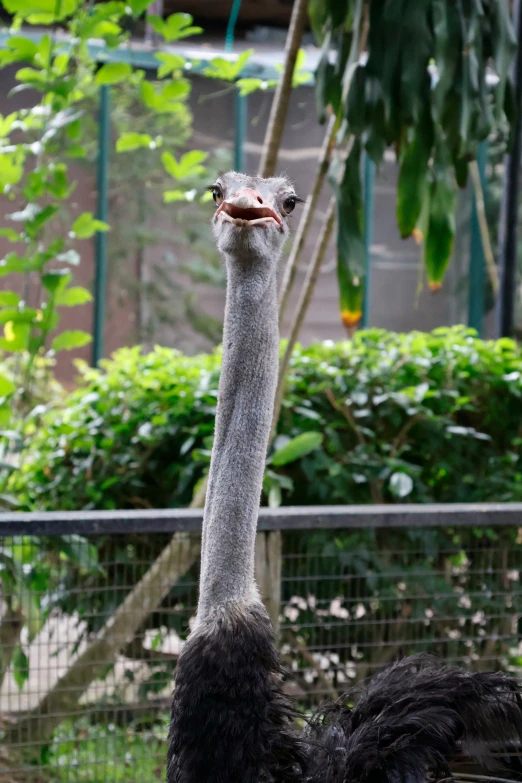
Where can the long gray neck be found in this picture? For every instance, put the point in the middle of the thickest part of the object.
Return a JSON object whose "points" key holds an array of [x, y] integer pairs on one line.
{"points": [[243, 419]]}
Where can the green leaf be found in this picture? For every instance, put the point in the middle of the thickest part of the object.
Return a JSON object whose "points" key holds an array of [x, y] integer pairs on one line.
{"points": [[168, 98], [56, 280], [296, 448], [23, 48], [25, 315], [504, 44], [32, 227], [76, 151], [440, 233], [350, 237], [67, 341], [328, 90], [170, 63], [170, 164], [228, 69], [170, 196], [412, 178], [175, 27], [10, 234], [133, 141], [16, 337], [6, 386], [112, 73], [6, 123], [41, 11], [318, 14], [20, 665], [73, 296], [249, 85], [11, 168], [139, 6], [32, 76], [86, 225], [401, 484], [9, 299], [189, 165]]}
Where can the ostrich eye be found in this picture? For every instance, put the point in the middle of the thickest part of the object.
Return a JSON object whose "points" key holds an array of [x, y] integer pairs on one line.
{"points": [[289, 204], [217, 194]]}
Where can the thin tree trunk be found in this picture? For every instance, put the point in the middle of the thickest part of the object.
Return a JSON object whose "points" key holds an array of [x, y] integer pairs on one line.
{"points": [[11, 626], [302, 306], [63, 698], [483, 226], [198, 500], [268, 567], [276, 122], [306, 217]]}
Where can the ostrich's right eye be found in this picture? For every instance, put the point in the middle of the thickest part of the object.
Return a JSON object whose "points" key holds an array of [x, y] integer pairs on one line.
{"points": [[217, 194]]}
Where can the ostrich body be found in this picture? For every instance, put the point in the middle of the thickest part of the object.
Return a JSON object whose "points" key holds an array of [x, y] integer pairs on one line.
{"points": [[230, 721]]}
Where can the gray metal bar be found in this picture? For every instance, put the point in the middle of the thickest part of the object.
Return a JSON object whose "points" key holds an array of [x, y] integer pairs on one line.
{"points": [[287, 518], [102, 184], [509, 212]]}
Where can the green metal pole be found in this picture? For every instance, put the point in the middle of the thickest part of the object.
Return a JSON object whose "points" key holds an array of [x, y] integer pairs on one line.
{"points": [[240, 102], [100, 283], [477, 264], [369, 184], [240, 131]]}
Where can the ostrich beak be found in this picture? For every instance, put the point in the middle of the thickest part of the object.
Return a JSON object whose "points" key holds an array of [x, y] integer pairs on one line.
{"points": [[248, 208]]}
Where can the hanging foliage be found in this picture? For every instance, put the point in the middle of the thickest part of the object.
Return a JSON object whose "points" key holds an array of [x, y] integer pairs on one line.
{"points": [[431, 80], [350, 234]]}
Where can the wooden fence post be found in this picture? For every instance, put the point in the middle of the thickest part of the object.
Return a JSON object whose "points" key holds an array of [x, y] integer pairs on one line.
{"points": [[268, 562]]}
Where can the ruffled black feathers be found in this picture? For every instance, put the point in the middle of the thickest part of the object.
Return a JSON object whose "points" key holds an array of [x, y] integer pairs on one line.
{"points": [[231, 723], [409, 722]]}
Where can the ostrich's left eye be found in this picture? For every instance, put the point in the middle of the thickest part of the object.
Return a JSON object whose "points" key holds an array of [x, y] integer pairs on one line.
{"points": [[217, 194], [289, 204]]}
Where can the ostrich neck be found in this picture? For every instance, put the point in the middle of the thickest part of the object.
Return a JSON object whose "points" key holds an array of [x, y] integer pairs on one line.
{"points": [[243, 419]]}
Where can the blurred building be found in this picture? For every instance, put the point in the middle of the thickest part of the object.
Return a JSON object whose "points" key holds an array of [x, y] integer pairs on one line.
{"points": [[399, 298]]}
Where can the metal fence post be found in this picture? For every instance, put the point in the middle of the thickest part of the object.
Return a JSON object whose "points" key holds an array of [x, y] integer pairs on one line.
{"points": [[477, 266], [509, 212], [369, 185], [240, 102], [240, 131], [100, 283]]}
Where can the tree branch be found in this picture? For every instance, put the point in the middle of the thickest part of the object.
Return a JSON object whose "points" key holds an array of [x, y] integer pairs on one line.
{"points": [[276, 122], [306, 217], [302, 306], [483, 225]]}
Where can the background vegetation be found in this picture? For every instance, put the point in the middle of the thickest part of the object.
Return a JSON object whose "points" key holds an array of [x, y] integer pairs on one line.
{"points": [[422, 417], [381, 419]]}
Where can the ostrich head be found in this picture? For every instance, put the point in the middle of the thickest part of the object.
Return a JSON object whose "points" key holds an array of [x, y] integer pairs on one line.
{"points": [[251, 219]]}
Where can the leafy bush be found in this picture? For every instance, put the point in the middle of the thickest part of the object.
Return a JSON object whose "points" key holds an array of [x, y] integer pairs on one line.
{"points": [[416, 417]]}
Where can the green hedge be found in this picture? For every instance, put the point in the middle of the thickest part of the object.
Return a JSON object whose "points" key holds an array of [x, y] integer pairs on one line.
{"points": [[415, 417]]}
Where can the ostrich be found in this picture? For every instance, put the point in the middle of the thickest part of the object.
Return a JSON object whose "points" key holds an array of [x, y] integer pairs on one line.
{"points": [[230, 721]]}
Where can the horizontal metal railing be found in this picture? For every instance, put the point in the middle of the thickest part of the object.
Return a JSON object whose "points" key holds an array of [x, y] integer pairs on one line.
{"points": [[45, 523]]}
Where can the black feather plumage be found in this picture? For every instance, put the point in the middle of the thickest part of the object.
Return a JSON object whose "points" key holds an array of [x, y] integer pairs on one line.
{"points": [[409, 722], [231, 722]]}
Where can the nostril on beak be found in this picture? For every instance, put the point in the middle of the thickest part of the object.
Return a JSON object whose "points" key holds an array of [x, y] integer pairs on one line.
{"points": [[260, 199]]}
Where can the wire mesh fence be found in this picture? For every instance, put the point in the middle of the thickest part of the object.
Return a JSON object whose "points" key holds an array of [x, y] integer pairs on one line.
{"points": [[87, 661]]}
